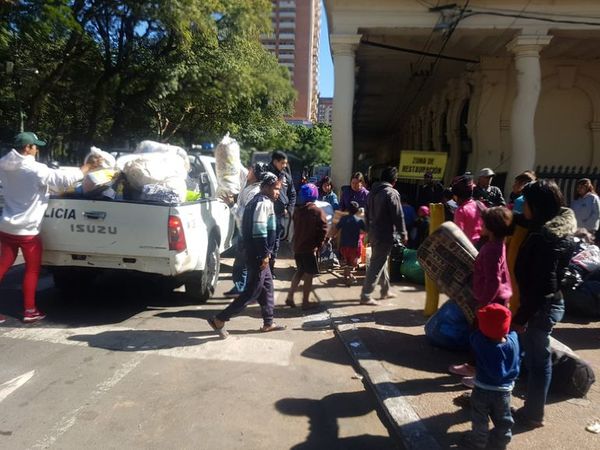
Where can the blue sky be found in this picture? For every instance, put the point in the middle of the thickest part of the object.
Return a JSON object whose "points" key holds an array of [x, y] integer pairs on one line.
{"points": [[325, 63]]}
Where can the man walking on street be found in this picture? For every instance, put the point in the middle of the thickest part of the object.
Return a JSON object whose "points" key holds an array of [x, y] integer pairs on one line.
{"points": [[26, 184], [258, 234], [382, 215], [286, 201], [239, 271]]}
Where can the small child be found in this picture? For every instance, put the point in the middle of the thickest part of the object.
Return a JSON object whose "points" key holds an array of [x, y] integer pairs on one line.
{"points": [[350, 227], [491, 279], [496, 350]]}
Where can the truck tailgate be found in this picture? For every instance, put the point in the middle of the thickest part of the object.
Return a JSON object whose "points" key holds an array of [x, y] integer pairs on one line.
{"points": [[106, 228]]}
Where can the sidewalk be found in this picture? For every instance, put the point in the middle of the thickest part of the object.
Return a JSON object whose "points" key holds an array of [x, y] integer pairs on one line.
{"points": [[410, 378]]}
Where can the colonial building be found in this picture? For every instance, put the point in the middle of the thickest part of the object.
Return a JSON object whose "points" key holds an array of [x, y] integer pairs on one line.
{"points": [[295, 43], [508, 84]]}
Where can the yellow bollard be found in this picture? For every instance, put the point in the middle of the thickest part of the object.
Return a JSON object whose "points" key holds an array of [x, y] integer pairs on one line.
{"points": [[512, 250], [432, 298]]}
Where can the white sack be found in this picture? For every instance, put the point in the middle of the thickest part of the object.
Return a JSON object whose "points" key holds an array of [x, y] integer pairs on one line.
{"points": [[228, 165], [164, 169], [159, 147], [108, 160]]}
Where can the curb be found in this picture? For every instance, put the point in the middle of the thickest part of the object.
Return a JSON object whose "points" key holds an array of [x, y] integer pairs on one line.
{"points": [[404, 420]]}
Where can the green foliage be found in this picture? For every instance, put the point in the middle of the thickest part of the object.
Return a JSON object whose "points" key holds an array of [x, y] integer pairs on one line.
{"points": [[313, 144], [113, 72]]}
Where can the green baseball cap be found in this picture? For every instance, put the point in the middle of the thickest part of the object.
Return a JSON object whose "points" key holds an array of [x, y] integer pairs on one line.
{"points": [[28, 138]]}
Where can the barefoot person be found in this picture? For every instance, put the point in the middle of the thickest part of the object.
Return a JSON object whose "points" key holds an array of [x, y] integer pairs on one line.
{"points": [[258, 233], [26, 184]]}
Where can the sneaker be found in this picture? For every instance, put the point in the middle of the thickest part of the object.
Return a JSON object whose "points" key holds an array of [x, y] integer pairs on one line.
{"points": [[388, 296], [464, 370], [33, 315], [468, 382]]}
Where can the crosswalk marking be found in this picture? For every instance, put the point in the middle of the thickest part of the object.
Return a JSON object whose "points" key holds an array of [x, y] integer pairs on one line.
{"points": [[71, 418], [12, 385], [175, 344]]}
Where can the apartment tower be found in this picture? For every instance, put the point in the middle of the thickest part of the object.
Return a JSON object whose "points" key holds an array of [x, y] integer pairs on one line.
{"points": [[295, 43]]}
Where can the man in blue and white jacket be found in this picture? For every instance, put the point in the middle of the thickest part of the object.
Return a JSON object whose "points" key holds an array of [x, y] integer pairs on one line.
{"points": [[258, 233]]}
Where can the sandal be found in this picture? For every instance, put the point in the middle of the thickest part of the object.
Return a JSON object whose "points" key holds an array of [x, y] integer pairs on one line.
{"points": [[272, 327], [222, 331], [289, 302]]}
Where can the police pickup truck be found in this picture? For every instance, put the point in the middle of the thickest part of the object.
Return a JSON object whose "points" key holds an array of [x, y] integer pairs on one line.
{"points": [[181, 243]]}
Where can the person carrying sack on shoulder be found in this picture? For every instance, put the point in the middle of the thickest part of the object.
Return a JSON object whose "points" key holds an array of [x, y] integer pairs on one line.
{"points": [[26, 188]]}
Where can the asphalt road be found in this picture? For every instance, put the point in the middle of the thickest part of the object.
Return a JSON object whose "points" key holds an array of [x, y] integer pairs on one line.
{"points": [[122, 365]]}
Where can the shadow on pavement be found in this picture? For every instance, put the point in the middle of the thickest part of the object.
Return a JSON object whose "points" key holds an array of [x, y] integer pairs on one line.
{"points": [[112, 298], [323, 416], [578, 338], [141, 340]]}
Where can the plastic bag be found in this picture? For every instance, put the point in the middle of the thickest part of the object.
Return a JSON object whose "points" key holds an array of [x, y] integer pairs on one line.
{"points": [[588, 259], [410, 268], [108, 161], [98, 180], [159, 147], [164, 169], [159, 194], [228, 166], [448, 327]]}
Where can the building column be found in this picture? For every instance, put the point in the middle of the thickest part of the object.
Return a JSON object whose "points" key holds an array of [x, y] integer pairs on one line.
{"points": [[344, 49], [527, 64]]}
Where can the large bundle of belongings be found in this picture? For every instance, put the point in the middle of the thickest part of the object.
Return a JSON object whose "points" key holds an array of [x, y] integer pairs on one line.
{"points": [[581, 281], [159, 173]]}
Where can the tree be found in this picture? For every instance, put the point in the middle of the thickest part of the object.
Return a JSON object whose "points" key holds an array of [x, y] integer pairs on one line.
{"points": [[313, 144], [112, 72]]}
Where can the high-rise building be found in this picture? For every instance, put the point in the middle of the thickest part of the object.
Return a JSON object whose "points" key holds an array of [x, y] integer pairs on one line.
{"points": [[325, 113], [295, 43]]}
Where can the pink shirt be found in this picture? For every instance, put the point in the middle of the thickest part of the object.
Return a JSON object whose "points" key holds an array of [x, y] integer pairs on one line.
{"points": [[468, 219], [491, 280]]}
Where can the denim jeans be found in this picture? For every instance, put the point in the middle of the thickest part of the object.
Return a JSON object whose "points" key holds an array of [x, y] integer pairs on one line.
{"points": [[259, 288], [494, 405], [377, 270], [535, 342], [239, 272]]}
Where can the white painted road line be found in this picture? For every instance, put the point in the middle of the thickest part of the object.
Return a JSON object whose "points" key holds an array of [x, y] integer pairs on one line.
{"points": [[175, 344], [71, 418], [12, 385]]}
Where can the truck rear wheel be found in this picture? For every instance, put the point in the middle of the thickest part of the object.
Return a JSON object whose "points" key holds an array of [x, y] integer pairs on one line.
{"points": [[203, 284]]}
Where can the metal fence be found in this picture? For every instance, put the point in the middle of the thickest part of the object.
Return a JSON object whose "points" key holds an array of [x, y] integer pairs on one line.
{"points": [[566, 177]]}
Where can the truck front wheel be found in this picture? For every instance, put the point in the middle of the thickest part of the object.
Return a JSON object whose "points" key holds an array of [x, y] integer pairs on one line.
{"points": [[201, 285]]}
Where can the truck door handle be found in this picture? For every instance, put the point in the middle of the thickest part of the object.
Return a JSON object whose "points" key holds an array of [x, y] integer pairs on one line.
{"points": [[95, 215]]}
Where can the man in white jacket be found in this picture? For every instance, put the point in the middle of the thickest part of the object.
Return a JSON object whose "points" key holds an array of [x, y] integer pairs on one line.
{"points": [[26, 184]]}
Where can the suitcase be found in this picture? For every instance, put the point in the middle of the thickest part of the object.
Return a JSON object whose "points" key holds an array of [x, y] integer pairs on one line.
{"points": [[447, 257]]}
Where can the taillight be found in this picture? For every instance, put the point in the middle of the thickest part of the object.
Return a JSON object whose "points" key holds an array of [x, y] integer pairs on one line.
{"points": [[176, 234]]}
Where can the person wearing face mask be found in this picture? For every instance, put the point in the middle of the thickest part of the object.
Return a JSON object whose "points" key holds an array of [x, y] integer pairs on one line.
{"points": [[26, 189]]}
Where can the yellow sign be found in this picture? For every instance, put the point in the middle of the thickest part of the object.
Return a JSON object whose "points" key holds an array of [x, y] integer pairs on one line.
{"points": [[413, 164]]}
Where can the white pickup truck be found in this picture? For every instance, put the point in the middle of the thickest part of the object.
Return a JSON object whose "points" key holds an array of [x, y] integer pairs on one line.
{"points": [[181, 243]]}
